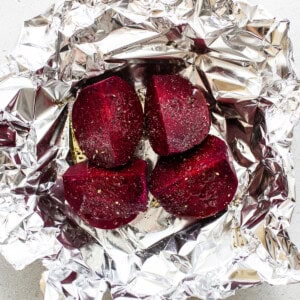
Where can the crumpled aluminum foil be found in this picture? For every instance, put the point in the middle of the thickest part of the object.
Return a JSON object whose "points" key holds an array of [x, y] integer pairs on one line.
{"points": [[242, 57]]}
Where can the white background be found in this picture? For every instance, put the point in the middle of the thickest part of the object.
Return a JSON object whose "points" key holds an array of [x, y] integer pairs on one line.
{"points": [[24, 285]]}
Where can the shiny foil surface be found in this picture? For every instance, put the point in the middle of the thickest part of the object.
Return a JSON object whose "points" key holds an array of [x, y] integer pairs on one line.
{"points": [[234, 51]]}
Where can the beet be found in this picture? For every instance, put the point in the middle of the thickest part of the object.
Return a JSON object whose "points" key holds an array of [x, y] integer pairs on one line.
{"points": [[199, 183], [106, 198], [107, 119], [177, 116]]}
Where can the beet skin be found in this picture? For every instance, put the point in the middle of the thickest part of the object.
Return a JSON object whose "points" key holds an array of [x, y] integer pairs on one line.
{"points": [[177, 116], [106, 198], [198, 184], [107, 118]]}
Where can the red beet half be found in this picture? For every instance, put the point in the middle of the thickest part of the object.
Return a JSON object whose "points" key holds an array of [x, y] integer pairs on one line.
{"points": [[198, 183], [106, 198], [108, 122], [177, 116]]}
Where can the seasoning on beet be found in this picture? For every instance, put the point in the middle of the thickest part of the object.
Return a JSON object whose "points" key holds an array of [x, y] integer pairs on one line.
{"points": [[177, 116], [107, 119], [198, 184], [106, 198]]}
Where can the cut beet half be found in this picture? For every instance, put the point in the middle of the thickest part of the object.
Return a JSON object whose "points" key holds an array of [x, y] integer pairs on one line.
{"points": [[106, 198], [197, 184], [107, 118], [177, 115]]}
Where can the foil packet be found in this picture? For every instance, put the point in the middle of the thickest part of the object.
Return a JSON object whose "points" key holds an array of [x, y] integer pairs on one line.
{"points": [[234, 51]]}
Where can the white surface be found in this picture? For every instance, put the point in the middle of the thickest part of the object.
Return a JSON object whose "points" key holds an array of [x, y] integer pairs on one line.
{"points": [[24, 285]]}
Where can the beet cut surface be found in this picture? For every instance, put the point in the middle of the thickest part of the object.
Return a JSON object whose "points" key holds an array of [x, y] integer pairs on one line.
{"points": [[177, 116], [106, 198], [107, 119], [199, 183]]}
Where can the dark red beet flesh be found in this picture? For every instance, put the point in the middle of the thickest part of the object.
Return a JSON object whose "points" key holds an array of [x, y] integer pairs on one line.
{"points": [[108, 122], [199, 183], [177, 116], [106, 198]]}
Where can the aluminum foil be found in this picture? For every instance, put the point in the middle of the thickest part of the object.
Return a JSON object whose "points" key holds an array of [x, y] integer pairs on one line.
{"points": [[242, 57]]}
